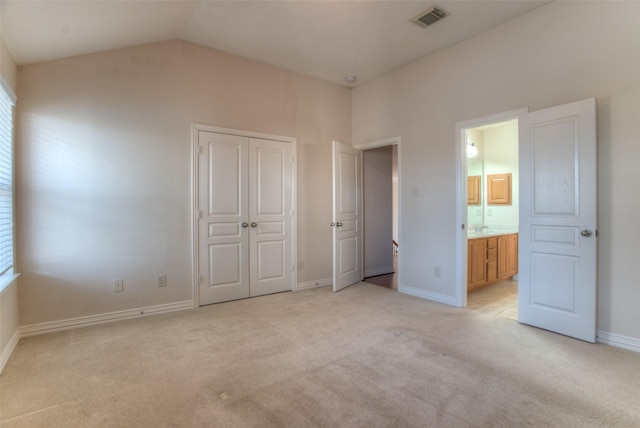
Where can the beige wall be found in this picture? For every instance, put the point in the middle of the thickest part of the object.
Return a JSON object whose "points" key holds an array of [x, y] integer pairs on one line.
{"points": [[103, 169], [8, 67], [558, 53], [8, 295]]}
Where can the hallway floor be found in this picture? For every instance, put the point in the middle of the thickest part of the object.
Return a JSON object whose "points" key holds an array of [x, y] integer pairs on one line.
{"points": [[389, 280]]}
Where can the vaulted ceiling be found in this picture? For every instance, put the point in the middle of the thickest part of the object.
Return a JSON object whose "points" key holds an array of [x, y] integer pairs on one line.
{"points": [[324, 39]]}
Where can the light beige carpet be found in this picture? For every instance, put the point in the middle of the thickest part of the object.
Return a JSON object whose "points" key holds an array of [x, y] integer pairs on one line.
{"points": [[364, 357]]}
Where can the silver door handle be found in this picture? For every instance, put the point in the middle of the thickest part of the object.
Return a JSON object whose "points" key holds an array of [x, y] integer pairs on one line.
{"points": [[245, 224], [254, 224], [586, 233]]}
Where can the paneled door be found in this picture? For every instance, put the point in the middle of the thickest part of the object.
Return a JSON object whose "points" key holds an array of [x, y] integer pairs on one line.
{"points": [[558, 220], [270, 208], [347, 231], [245, 214]]}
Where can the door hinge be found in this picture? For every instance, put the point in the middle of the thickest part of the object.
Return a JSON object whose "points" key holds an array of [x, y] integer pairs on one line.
{"points": [[200, 279], [199, 149], [293, 267], [293, 213], [292, 158], [463, 227], [199, 214]]}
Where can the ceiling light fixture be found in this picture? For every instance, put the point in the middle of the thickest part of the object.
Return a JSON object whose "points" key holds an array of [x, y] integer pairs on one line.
{"points": [[350, 79]]}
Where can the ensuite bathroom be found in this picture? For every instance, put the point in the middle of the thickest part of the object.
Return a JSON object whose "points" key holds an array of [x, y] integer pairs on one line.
{"points": [[492, 217]]}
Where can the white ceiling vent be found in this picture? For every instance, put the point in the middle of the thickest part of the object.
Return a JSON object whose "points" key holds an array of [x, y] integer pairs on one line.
{"points": [[430, 16]]}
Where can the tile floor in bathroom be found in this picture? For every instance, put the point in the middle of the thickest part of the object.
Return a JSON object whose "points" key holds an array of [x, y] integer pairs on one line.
{"points": [[500, 299]]}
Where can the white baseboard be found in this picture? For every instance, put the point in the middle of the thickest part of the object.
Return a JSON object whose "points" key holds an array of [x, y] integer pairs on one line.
{"points": [[429, 295], [8, 350], [49, 327], [376, 272], [314, 284], [619, 341]]}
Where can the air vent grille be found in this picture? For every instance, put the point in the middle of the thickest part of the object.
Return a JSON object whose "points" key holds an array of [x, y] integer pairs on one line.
{"points": [[430, 16]]}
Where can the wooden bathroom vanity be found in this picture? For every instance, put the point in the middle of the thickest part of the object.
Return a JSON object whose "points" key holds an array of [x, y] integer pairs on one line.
{"points": [[491, 259]]}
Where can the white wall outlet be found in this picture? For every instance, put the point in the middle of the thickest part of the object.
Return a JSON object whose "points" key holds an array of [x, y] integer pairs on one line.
{"points": [[118, 285], [161, 280], [437, 272]]}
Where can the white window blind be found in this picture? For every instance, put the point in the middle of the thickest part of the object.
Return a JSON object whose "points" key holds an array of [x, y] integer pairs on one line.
{"points": [[6, 180]]}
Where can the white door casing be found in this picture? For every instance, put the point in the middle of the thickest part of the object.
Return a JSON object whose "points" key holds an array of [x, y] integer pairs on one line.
{"points": [[347, 259], [245, 215], [558, 219]]}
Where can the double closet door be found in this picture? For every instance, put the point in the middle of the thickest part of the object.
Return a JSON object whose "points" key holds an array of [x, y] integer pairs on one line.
{"points": [[245, 214]]}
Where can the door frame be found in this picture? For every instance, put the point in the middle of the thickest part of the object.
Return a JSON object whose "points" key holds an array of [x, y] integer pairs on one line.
{"points": [[461, 191], [195, 250], [391, 141]]}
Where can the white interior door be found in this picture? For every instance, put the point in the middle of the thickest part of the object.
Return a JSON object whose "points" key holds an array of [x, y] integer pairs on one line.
{"points": [[347, 260], [245, 215], [223, 210], [270, 216], [558, 220]]}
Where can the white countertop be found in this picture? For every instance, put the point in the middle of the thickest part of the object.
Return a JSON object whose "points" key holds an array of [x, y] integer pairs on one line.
{"points": [[492, 231]]}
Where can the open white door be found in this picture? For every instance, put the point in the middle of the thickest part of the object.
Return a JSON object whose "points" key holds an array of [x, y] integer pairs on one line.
{"points": [[346, 216], [558, 220]]}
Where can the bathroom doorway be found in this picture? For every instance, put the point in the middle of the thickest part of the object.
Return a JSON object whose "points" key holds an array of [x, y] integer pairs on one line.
{"points": [[490, 166]]}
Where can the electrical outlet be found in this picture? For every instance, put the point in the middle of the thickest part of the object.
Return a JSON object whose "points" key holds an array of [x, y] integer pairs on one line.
{"points": [[161, 280], [436, 271], [300, 264], [118, 285]]}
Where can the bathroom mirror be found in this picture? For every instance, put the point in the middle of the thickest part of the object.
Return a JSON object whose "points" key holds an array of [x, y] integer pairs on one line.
{"points": [[475, 211]]}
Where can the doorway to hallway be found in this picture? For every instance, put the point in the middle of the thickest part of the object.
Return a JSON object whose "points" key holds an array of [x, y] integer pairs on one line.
{"points": [[379, 213]]}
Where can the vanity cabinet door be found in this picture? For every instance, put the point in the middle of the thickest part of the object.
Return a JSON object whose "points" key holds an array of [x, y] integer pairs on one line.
{"points": [[477, 263], [473, 190], [492, 259], [507, 255], [512, 254], [502, 256], [499, 189]]}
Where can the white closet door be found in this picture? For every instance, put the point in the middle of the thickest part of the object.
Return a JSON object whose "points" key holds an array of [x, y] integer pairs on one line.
{"points": [[245, 215], [223, 201], [270, 215]]}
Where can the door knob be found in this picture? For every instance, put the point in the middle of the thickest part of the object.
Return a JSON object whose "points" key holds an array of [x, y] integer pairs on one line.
{"points": [[339, 224], [245, 224], [586, 233], [254, 224]]}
